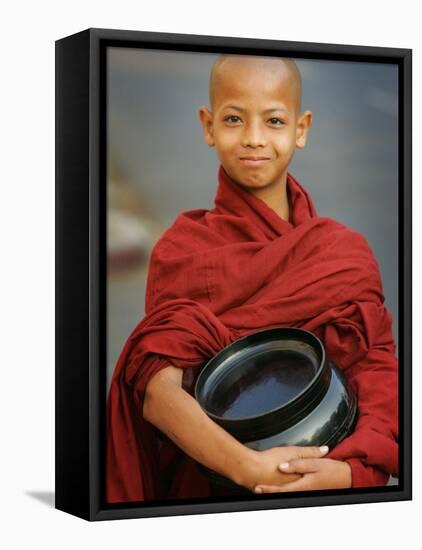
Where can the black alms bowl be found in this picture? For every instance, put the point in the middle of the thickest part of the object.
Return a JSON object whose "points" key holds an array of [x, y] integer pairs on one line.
{"points": [[274, 388]]}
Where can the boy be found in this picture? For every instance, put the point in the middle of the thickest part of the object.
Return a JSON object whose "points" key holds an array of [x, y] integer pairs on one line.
{"points": [[261, 258]]}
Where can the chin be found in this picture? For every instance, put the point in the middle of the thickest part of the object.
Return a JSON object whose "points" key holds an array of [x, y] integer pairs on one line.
{"points": [[246, 179], [257, 182]]}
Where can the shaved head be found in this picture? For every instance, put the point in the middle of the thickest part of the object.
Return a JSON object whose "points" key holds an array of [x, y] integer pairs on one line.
{"points": [[255, 122], [230, 65]]}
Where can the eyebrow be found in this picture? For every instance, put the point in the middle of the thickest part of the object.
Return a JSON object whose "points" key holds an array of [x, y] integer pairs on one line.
{"points": [[270, 110]]}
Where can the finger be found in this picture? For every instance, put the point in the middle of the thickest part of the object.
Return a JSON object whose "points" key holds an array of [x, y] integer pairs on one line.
{"points": [[312, 452], [305, 483], [301, 466], [268, 489]]}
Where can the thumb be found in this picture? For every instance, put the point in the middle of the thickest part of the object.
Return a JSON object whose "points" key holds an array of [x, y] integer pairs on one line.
{"points": [[313, 452]]}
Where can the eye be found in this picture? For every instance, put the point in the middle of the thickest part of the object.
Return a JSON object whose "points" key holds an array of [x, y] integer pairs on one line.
{"points": [[232, 118], [275, 121]]}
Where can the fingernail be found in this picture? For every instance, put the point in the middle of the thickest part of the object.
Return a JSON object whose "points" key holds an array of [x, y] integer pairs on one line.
{"points": [[284, 466], [258, 490], [324, 449]]}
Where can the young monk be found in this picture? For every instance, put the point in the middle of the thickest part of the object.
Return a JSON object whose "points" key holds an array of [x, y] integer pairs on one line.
{"points": [[260, 258]]}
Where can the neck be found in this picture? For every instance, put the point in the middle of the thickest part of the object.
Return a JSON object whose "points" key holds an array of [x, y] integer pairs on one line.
{"points": [[275, 196]]}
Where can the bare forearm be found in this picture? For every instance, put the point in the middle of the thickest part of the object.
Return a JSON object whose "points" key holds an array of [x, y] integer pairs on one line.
{"points": [[176, 413]]}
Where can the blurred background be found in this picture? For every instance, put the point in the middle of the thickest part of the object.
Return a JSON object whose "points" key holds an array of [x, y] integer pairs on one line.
{"points": [[159, 165]]}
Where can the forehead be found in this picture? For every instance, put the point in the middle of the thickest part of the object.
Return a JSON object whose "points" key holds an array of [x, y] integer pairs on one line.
{"points": [[254, 80]]}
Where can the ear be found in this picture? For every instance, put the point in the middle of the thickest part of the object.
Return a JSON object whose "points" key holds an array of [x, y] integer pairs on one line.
{"points": [[205, 118], [303, 125]]}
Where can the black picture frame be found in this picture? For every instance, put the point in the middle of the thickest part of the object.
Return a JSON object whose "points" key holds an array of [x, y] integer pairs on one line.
{"points": [[81, 264]]}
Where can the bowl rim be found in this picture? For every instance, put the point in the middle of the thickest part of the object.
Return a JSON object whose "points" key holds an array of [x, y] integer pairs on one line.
{"points": [[286, 405]]}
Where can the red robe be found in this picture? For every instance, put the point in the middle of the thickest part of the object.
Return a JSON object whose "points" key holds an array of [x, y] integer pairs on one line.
{"points": [[217, 275]]}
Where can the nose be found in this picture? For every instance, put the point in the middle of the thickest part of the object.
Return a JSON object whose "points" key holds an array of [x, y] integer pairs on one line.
{"points": [[253, 136]]}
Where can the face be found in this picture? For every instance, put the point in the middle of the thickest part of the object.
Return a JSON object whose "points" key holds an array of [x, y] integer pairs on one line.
{"points": [[255, 124]]}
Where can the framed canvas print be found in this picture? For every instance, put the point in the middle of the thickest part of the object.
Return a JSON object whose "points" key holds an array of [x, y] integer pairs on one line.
{"points": [[233, 274]]}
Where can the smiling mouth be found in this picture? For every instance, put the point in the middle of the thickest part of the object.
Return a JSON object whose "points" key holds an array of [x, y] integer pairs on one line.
{"points": [[253, 161]]}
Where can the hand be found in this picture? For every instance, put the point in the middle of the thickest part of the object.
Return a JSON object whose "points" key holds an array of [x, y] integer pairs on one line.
{"points": [[316, 473], [263, 466]]}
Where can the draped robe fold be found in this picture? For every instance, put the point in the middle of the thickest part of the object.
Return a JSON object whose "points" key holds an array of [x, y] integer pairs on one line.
{"points": [[217, 275]]}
